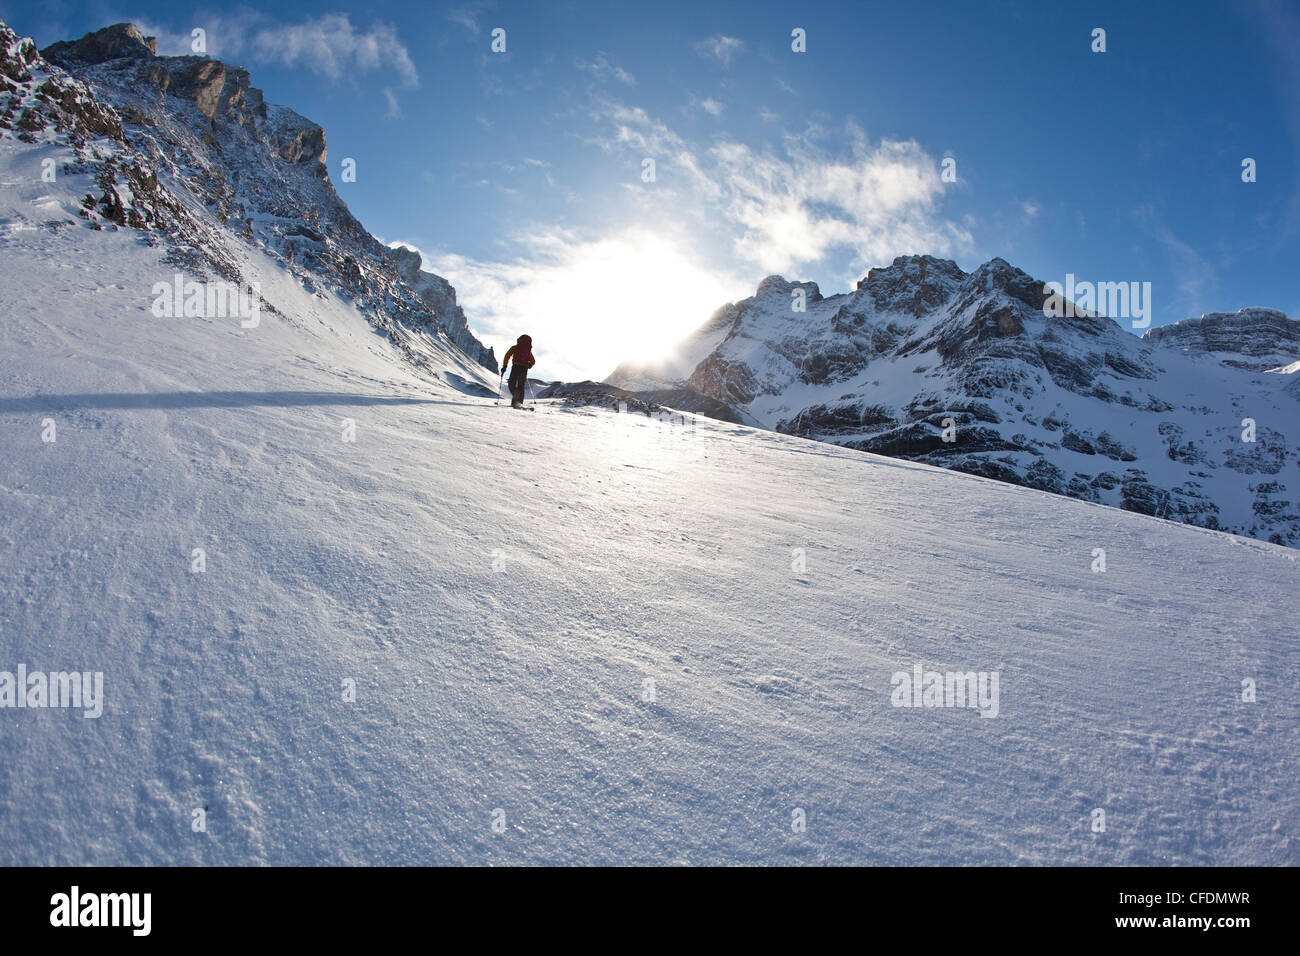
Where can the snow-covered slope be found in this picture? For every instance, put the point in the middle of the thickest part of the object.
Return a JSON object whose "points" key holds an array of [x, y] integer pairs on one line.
{"points": [[927, 362], [186, 150], [620, 640]]}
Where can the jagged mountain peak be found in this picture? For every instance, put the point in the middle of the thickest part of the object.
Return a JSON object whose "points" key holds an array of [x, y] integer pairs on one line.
{"points": [[777, 284], [913, 266], [186, 148], [114, 42], [911, 284], [220, 91], [998, 275]]}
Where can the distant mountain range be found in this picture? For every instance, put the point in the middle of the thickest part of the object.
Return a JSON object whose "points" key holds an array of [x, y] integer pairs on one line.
{"points": [[969, 371]]}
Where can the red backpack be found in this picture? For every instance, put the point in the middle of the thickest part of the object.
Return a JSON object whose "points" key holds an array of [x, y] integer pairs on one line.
{"points": [[524, 351]]}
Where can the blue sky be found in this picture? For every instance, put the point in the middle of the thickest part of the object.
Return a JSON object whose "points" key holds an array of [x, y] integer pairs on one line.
{"points": [[519, 175]]}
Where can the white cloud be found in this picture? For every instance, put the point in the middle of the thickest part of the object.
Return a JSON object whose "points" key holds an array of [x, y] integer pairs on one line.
{"points": [[394, 110], [708, 104], [328, 45], [720, 47], [801, 204]]}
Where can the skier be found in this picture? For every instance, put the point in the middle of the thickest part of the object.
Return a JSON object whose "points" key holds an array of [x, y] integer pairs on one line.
{"points": [[522, 351]]}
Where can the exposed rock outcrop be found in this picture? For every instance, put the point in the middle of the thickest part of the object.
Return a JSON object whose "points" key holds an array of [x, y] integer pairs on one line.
{"points": [[160, 132]]}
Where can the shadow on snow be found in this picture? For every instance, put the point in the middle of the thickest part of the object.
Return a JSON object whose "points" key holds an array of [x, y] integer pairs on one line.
{"points": [[169, 400]]}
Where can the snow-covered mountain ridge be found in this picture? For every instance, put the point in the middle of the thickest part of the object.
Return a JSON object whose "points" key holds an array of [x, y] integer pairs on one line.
{"points": [[186, 150], [1255, 339], [967, 370]]}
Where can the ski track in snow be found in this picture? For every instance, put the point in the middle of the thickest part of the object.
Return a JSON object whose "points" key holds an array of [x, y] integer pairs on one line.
{"points": [[632, 549]]}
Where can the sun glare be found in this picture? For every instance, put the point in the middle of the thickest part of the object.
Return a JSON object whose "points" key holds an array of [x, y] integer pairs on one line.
{"points": [[631, 297]]}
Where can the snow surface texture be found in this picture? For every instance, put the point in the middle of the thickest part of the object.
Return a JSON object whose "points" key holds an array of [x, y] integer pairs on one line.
{"points": [[618, 639], [629, 549], [1194, 422]]}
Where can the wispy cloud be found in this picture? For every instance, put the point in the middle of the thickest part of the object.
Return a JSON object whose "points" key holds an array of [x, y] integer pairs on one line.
{"points": [[394, 110], [791, 207], [720, 47], [526, 163], [602, 69], [469, 15], [328, 45], [708, 104], [1196, 281]]}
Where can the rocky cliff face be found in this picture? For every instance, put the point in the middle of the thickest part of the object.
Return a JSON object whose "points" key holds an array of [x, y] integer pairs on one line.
{"points": [[186, 150], [966, 370], [1256, 339], [122, 41]]}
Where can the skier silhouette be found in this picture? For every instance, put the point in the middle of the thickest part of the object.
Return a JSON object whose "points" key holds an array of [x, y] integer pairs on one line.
{"points": [[522, 352]]}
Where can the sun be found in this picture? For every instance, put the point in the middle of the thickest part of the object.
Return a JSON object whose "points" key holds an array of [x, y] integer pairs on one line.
{"points": [[593, 302], [628, 297]]}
